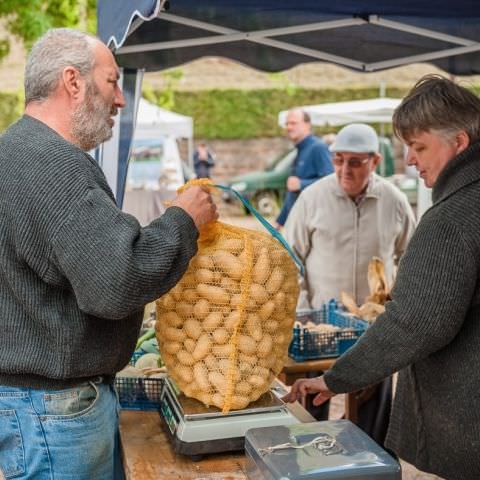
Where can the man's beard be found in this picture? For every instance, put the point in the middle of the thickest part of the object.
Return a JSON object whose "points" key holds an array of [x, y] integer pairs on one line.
{"points": [[91, 120]]}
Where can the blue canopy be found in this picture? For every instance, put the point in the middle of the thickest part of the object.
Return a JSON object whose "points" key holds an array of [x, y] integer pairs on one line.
{"points": [[273, 35]]}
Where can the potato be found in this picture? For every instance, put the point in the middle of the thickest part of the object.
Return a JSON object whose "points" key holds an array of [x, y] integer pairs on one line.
{"points": [[278, 256], [261, 269], [210, 362], [174, 334], [176, 292], [247, 344], [239, 401], [218, 380], [278, 367], [193, 328], [213, 294], [189, 345], [220, 336], [270, 326], [279, 300], [205, 398], [166, 301], [204, 261], [185, 358], [267, 362], [258, 293], [230, 285], [171, 318], [264, 346], [188, 280], [229, 264], [202, 275], [201, 376], [222, 351], [232, 320], [243, 388], [184, 373], [249, 359], [190, 295], [253, 327], [212, 321], [184, 309], [261, 372], [191, 389], [217, 400], [237, 298], [266, 310], [256, 381], [171, 347], [232, 245], [275, 281], [202, 349], [201, 309]]}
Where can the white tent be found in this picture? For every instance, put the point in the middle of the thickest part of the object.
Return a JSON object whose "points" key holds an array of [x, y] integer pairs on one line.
{"points": [[153, 121], [375, 110]]}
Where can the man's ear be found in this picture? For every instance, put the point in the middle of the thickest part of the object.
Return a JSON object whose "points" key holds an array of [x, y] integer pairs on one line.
{"points": [[377, 158], [72, 81], [462, 141]]}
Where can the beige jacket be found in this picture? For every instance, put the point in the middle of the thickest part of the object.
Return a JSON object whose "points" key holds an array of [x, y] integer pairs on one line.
{"points": [[336, 239]]}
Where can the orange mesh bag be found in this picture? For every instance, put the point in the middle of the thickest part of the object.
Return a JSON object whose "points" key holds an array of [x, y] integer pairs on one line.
{"points": [[225, 328]]}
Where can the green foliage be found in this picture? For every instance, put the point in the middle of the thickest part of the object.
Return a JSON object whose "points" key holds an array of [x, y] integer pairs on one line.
{"points": [[29, 19], [10, 109], [227, 114]]}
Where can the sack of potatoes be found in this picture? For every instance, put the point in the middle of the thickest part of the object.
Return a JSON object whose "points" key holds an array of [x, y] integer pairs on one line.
{"points": [[225, 328]]}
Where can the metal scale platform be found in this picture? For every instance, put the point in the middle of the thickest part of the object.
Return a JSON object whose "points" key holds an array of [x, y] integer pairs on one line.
{"points": [[196, 430]]}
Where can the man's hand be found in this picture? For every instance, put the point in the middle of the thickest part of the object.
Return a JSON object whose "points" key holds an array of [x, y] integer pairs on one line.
{"points": [[293, 184], [198, 203], [303, 386]]}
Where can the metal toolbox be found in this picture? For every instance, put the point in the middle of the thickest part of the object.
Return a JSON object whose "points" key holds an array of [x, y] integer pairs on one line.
{"points": [[333, 450]]}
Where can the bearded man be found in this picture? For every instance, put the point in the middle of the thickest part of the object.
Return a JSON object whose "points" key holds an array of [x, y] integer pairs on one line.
{"points": [[75, 271]]}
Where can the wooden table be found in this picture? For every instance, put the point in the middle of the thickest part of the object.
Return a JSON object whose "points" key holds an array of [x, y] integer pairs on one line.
{"points": [[148, 454]]}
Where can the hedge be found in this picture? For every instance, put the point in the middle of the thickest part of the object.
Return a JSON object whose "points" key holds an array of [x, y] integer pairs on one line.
{"points": [[10, 109], [232, 114]]}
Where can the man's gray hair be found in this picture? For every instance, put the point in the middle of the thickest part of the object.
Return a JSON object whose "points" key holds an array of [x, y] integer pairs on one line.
{"points": [[438, 104], [55, 50]]}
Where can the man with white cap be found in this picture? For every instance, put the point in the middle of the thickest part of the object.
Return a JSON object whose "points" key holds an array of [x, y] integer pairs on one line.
{"points": [[337, 225], [343, 220]]}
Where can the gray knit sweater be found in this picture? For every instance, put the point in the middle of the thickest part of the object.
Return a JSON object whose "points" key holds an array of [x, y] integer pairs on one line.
{"points": [[75, 271], [431, 333]]}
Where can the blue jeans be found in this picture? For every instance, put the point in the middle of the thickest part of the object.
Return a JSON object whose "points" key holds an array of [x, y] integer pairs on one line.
{"points": [[69, 434]]}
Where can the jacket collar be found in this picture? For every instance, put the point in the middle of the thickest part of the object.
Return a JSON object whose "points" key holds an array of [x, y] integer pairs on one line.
{"points": [[373, 187], [303, 143], [458, 173]]}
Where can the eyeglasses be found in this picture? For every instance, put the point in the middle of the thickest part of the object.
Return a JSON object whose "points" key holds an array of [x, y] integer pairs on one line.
{"points": [[352, 162]]}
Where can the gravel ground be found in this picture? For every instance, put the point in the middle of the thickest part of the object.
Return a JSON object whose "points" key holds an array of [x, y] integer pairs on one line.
{"points": [[232, 215]]}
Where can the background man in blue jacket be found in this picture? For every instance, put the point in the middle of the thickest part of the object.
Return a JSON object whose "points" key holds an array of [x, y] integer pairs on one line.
{"points": [[312, 162]]}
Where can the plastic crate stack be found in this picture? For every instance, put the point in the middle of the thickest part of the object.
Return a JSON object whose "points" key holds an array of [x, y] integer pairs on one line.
{"points": [[308, 344], [139, 393]]}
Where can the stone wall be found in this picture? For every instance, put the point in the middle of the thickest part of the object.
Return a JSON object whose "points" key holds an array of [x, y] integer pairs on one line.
{"points": [[234, 157]]}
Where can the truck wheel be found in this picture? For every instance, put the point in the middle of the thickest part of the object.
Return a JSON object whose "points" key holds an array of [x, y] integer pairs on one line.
{"points": [[267, 204]]}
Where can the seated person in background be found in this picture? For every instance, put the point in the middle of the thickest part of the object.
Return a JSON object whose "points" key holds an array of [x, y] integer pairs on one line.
{"points": [[203, 161], [338, 224]]}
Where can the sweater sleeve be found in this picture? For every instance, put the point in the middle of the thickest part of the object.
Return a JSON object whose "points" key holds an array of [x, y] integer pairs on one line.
{"points": [[434, 287], [113, 265], [406, 219]]}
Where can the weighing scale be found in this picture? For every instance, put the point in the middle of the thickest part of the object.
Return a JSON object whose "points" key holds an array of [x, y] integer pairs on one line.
{"points": [[196, 430]]}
